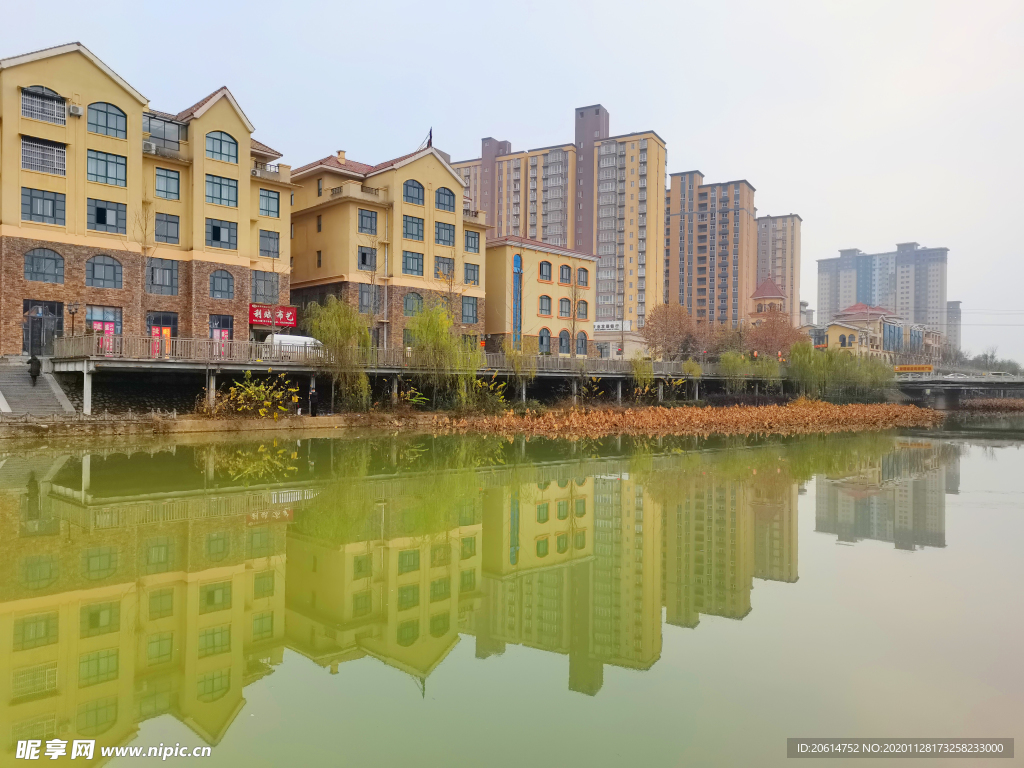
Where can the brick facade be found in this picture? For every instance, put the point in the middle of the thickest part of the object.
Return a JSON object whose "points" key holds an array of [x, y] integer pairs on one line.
{"points": [[192, 304]]}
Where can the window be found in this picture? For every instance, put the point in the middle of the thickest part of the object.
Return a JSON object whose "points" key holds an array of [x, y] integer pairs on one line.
{"points": [[440, 623], [44, 266], [440, 589], [99, 563], [581, 507], [445, 199], [218, 545], [362, 603], [319, 259], [319, 223], [263, 585], [542, 513], [443, 267], [408, 596], [412, 228], [367, 258], [166, 227], [35, 631], [108, 120], [215, 597], [97, 667], [270, 244], [361, 566], [565, 274], [221, 191], [467, 581], [263, 626], [468, 547], [213, 685], [408, 339], [444, 234], [581, 343], [222, 284], [472, 242], [564, 307], [563, 509], [579, 541], [102, 216], [563, 343], [369, 298], [582, 277], [214, 640], [408, 560], [99, 619], [545, 270], [168, 184], [160, 321], [412, 192], [367, 222], [544, 341], [35, 680], [222, 327], [43, 156], [581, 310], [158, 550], [96, 717], [105, 168], [161, 603], [265, 287], [164, 133], [472, 274], [41, 206], [562, 543], [542, 547], [162, 276], [160, 648], [440, 554], [413, 304], [319, 188], [40, 103], [270, 204], [469, 309], [412, 263], [545, 305], [408, 633], [220, 146]]}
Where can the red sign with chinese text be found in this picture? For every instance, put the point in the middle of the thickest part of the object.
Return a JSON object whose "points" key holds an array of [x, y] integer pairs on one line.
{"points": [[267, 314], [269, 516]]}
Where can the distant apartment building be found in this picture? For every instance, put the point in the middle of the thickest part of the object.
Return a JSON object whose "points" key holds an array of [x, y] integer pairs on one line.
{"points": [[711, 251], [590, 196], [806, 314], [140, 222], [778, 258], [911, 281], [953, 313]]}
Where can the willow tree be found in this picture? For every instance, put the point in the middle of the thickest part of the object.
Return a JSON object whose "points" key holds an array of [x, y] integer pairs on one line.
{"points": [[521, 360], [445, 363], [345, 338]]}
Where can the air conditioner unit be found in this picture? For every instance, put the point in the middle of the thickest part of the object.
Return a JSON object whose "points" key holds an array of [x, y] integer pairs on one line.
{"points": [[75, 110], [255, 172], [149, 147]]}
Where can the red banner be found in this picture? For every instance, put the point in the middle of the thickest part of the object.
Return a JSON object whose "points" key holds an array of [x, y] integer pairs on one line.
{"points": [[269, 516], [268, 314]]}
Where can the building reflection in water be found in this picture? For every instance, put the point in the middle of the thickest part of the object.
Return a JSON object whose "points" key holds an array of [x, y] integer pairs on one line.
{"points": [[165, 581]]}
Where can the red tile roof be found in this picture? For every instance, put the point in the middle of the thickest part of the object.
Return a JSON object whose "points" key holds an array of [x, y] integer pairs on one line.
{"points": [[332, 161], [768, 289], [862, 307], [188, 113], [263, 149]]}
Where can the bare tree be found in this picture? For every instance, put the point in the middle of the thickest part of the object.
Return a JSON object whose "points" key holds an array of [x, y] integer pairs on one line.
{"points": [[669, 332], [378, 289]]}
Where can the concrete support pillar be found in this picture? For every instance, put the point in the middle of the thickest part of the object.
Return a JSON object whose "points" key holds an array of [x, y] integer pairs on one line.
{"points": [[618, 391], [86, 389], [522, 392], [86, 476], [661, 391], [696, 389], [574, 391], [394, 390], [211, 389]]}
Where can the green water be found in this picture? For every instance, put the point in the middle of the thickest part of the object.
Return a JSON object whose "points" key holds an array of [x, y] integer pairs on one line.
{"points": [[473, 601]]}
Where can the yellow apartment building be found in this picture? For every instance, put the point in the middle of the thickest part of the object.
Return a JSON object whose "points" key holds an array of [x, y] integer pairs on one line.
{"points": [[540, 296], [778, 258], [143, 222], [387, 239], [711, 250]]}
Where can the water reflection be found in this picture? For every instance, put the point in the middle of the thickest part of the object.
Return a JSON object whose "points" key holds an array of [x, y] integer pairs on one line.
{"points": [[139, 583]]}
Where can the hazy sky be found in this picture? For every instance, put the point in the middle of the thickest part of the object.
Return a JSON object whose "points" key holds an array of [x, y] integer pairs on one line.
{"points": [[877, 122]]}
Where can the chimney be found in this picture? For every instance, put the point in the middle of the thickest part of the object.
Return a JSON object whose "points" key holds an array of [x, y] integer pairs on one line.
{"points": [[341, 155]]}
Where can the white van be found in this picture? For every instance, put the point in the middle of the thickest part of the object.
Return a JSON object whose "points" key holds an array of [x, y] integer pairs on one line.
{"points": [[292, 347]]}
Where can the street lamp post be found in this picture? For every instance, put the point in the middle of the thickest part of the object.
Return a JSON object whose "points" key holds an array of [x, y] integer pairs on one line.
{"points": [[73, 308]]}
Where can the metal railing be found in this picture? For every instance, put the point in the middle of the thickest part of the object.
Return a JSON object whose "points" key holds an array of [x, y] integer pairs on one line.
{"points": [[266, 167]]}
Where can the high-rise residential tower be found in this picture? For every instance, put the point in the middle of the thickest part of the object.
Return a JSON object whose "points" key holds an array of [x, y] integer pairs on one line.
{"points": [[953, 324], [778, 258]]}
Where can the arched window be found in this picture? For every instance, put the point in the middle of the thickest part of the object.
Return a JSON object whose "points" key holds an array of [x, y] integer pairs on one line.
{"points": [[760, 307], [564, 307], [542, 547], [408, 632], [563, 343], [581, 343], [545, 270], [222, 284], [213, 685], [103, 272], [842, 340], [444, 198], [544, 341], [413, 304], [221, 146], [581, 310], [565, 274], [582, 277], [412, 192], [108, 120], [439, 624], [99, 562], [545, 305], [44, 266]]}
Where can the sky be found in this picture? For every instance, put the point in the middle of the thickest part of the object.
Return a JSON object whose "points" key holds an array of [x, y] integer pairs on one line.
{"points": [[877, 122]]}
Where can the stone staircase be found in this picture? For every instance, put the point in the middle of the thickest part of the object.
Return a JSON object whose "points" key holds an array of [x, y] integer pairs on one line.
{"points": [[20, 397]]}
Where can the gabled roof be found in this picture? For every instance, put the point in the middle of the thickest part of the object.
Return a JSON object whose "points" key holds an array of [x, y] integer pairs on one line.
{"points": [[538, 245], [398, 162], [363, 171], [60, 50], [332, 163], [260, 148], [768, 289], [201, 106]]}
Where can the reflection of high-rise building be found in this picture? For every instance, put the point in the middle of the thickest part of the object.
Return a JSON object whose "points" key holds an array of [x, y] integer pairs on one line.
{"points": [[900, 499]]}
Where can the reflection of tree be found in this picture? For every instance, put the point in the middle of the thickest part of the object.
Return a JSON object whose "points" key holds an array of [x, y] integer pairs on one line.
{"points": [[248, 463]]}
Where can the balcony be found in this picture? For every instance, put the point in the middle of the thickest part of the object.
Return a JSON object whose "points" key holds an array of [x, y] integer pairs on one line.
{"points": [[358, 192], [169, 150], [470, 216]]}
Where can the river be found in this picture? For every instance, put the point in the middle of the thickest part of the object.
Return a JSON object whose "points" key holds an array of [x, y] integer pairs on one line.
{"points": [[468, 601]]}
